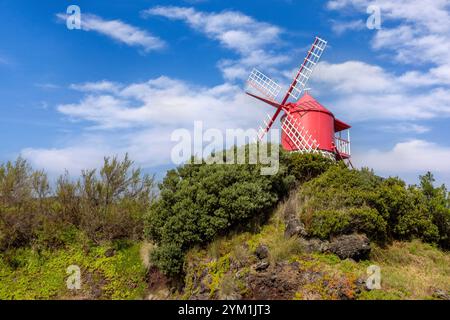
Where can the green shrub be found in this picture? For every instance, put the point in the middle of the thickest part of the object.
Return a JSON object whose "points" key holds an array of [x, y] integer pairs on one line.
{"points": [[328, 223], [306, 166], [106, 206], [199, 202], [169, 257], [344, 201], [438, 204]]}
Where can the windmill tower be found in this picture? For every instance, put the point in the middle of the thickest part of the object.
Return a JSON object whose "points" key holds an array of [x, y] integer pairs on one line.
{"points": [[307, 126]]}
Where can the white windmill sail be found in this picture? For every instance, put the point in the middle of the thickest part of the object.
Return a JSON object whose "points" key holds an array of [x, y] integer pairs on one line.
{"points": [[264, 84], [307, 68]]}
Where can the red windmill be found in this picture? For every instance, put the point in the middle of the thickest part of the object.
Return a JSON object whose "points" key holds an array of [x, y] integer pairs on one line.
{"points": [[307, 126]]}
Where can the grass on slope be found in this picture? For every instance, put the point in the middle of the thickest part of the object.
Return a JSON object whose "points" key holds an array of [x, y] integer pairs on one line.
{"points": [[409, 270], [29, 274]]}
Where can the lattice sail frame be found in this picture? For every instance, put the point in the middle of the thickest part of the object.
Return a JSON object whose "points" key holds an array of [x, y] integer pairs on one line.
{"points": [[299, 135], [264, 84], [307, 68], [262, 130], [270, 89]]}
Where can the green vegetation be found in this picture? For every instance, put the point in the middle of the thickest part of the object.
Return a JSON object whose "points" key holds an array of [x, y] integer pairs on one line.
{"points": [[409, 270], [200, 202], [26, 273], [206, 224], [343, 201], [106, 206], [44, 231]]}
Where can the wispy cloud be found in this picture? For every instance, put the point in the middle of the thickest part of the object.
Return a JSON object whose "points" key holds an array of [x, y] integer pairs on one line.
{"points": [[47, 86], [120, 31], [100, 86], [250, 38], [405, 127], [340, 27], [416, 34], [233, 29]]}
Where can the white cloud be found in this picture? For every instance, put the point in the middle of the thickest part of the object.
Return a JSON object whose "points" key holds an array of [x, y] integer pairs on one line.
{"points": [[340, 27], [355, 77], [250, 38], [163, 101], [418, 31], [360, 91], [73, 158], [119, 31], [148, 148], [100, 86], [412, 33], [233, 29], [139, 118], [405, 127], [409, 158]]}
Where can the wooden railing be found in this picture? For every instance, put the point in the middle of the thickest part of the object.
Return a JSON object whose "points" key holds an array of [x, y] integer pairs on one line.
{"points": [[342, 145]]}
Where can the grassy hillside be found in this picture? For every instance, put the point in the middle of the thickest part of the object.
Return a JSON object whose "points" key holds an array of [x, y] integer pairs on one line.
{"points": [[226, 269], [222, 232], [106, 273]]}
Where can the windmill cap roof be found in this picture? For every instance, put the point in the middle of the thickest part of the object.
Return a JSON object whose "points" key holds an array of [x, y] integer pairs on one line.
{"points": [[307, 102]]}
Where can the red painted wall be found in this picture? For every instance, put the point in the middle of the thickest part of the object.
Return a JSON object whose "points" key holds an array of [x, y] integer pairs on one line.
{"points": [[318, 123]]}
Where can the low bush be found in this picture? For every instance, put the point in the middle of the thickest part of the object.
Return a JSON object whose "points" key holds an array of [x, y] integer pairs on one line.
{"points": [[106, 206], [345, 201], [328, 223], [306, 166]]}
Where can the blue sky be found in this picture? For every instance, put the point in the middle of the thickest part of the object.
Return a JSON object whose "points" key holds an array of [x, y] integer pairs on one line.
{"points": [[137, 70]]}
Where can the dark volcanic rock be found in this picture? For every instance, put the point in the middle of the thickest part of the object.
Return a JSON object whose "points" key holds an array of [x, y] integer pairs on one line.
{"points": [[294, 228], [441, 294], [262, 252], [261, 266], [354, 246], [314, 245], [109, 253]]}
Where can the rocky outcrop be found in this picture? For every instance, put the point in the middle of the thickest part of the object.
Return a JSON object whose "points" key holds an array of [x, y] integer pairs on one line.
{"points": [[262, 252], [279, 283], [261, 266], [314, 245], [353, 246], [440, 294], [292, 280], [294, 228]]}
